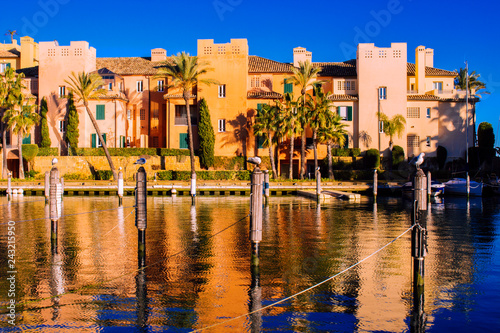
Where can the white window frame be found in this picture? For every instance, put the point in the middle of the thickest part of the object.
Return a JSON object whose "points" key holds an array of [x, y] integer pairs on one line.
{"points": [[343, 110], [428, 114], [139, 86], [110, 86], [428, 141], [437, 85], [161, 85], [3, 67], [61, 126], [222, 125], [98, 143], [62, 91], [382, 93], [222, 90]]}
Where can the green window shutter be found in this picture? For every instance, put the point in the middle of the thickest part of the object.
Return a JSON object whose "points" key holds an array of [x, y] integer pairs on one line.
{"points": [[8, 65], [349, 113], [27, 139], [346, 144], [288, 87], [260, 141], [100, 112], [183, 141], [93, 140], [104, 137], [124, 144], [259, 106]]}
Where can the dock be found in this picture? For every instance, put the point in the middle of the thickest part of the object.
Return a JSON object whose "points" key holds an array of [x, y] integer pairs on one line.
{"points": [[330, 194]]}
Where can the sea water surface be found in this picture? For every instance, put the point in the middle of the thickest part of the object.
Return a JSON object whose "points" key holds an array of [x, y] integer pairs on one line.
{"points": [[198, 273]]}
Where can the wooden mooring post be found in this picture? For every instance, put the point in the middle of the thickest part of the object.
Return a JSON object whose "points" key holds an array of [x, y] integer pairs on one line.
{"points": [[55, 199], [193, 188], [266, 185], [141, 216], [429, 187], [375, 183], [318, 184], [256, 212], [419, 250], [47, 186], [120, 188], [9, 185]]}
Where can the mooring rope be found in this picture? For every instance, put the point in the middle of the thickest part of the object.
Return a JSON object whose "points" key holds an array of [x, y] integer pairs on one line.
{"points": [[308, 289]]}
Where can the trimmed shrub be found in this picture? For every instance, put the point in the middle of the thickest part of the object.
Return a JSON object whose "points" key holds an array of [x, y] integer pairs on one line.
{"points": [[72, 132], [164, 175], [398, 156], [48, 151], [172, 152], [44, 126], [204, 175], [75, 176], [31, 173], [29, 153], [103, 174], [372, 159], [355, 152], [206, 135], [442, 155]]}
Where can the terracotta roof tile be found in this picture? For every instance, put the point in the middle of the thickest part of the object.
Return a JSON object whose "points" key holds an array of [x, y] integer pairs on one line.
{"points": [[263, 65], [129, 66], [346, 68], [343, 97], [9, 54], [264, 95], [429, 71], [169, 96], [423, 97]]}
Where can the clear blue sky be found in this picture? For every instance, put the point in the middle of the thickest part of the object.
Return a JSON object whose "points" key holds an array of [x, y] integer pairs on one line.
{"points": [[457, 30]]}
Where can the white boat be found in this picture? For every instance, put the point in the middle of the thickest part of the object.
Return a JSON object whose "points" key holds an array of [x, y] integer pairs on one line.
{"points": [[458, 186]]}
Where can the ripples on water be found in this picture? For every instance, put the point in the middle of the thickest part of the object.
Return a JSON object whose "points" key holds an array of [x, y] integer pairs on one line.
{"points": [[197, 277]]}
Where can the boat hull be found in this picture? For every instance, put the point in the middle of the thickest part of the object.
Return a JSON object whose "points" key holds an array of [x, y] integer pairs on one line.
{"points": [[458, 186]]}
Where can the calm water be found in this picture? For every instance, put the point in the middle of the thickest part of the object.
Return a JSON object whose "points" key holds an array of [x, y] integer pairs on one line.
{"points": [[199, 271]]}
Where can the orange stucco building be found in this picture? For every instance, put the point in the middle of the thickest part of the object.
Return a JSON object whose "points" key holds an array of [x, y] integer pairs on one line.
{"points": [[139, 110]]}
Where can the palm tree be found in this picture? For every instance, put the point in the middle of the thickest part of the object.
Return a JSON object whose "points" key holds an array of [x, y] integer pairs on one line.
{"points": [[21, 119], [474, 83], [290, 124], [11, 33], [393, 126], [10, 91], [85, 87], [266, 125], [185, 72], [304, 76], [332, 133], [319, 110]]}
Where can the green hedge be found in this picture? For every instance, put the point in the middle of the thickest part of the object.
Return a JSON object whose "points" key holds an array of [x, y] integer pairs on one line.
{"points": [[48, 152], [74, 176], [132, 152], [173, 152], [204, 175], [355, 152], [103, 175], [372, 159]]}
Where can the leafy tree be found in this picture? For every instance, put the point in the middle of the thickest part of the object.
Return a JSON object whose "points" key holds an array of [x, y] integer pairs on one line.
{"points": [[87, 86], [29, 153], [186, 73], [72, 132], [332, 133], [392, 127], [304, 76], [289, 124], [266, 124], [372, 159], [206, 135], [474, 83], [10, 94], [21, 118], [398, 155], [485, 141], [45, 142], [11, 33]]}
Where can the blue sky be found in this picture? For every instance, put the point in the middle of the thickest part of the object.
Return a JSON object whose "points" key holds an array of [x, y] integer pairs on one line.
{"points": [[456, 30]]}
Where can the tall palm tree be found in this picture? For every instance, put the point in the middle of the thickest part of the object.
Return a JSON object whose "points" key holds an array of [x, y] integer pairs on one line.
{"points": [[393, 126], [304, 76], [186, 73], [474, 83], [290, 124], [319, 110], [21, 119], [10, 91], [11, 33], [86, 86], [332, 133], [266, 125]]}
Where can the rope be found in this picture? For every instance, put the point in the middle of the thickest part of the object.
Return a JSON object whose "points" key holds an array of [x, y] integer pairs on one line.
{"points": [[48, 218], [126, 274], [308, 289]]}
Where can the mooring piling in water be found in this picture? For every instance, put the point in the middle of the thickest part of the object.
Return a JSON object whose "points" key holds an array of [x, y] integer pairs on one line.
{"points": [[9, 185], [420, 190], [429, 187], [47, 186], [120, 188], [375, 183], [318, 184], [256, 212], [192, 190], [141, 216], [266, 185], [54, 205]]}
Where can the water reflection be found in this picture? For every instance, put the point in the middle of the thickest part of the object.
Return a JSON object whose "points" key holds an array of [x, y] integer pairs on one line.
{"points": [[195, 279]]}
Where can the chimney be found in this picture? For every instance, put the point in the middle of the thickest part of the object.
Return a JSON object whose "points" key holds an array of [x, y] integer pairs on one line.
{"points": [[300, 54], [429, 57], [420, 69], [29, 56], [158, 55]]}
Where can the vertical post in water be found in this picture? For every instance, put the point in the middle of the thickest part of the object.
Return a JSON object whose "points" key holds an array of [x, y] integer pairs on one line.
{"points": [[256, 213], [193, 188], [9, 185], [141, 216], [429, 187], [54, 213], [419, 250], [318, 184], [120, 188], [375, 183], [47, 186], [468, 185], [62, 187], [266, 185]]}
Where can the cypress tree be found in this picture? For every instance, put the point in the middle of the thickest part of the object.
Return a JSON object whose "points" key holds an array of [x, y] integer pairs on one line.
{"points": [[44, 127], [72, 132], [206, 135]]}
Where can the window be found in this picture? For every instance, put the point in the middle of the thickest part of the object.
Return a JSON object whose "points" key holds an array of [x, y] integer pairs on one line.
{"points": [[62, 91], [345, 112], [288, 87], [428, 112], [27, 139], [222, 125], [110, 86], [62, 126], [155, 119], [222, 90], [381, 126], [120, 86], [260, 141], [94, 140], [3, 67], [437, 85], [142, 114], [428, 141], [155, 142], [346, 85], [382, 93], [161, 85], [412, 112], [255, 82], [139, 86], [346, 141], [181, 115], [412, 141], [100, 112], [183, 141]]}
